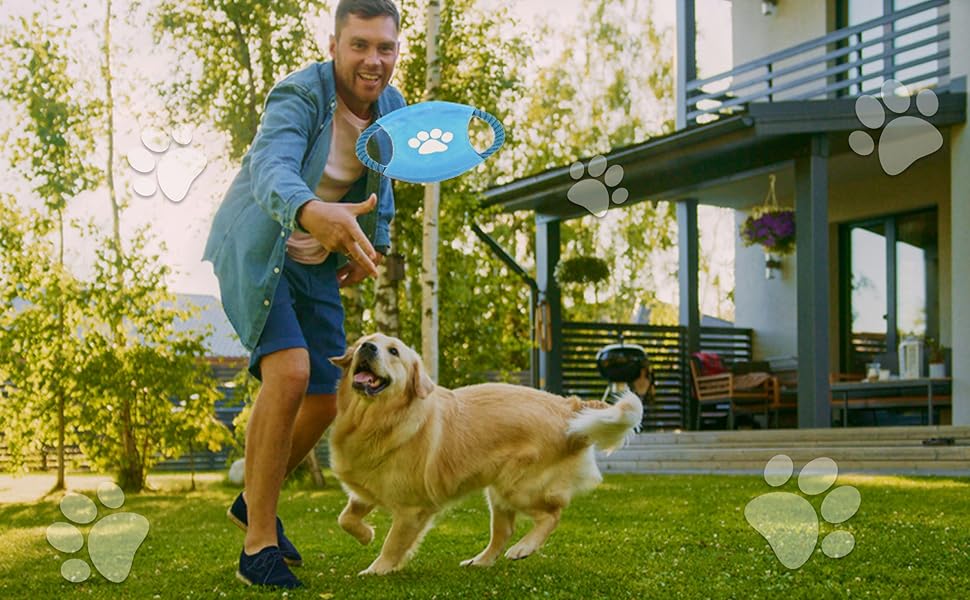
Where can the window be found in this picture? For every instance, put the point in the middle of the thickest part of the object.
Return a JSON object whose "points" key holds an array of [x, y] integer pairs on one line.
{"points": [[889, 288]]}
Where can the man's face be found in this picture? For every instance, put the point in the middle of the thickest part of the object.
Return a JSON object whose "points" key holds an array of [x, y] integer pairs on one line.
{"points": [[364, 56]]}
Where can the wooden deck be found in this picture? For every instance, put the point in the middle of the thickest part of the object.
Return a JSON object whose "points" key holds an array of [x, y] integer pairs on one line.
{"points": [[889, 450]]}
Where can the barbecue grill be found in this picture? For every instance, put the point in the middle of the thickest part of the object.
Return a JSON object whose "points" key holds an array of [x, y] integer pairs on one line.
{"points": [[620, 364]]}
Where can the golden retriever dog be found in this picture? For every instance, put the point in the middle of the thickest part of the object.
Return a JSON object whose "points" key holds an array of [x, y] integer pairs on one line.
{"points": [[405, 444]]}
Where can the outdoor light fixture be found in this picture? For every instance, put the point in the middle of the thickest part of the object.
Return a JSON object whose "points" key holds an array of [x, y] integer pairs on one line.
{"points": [[769, 7]]}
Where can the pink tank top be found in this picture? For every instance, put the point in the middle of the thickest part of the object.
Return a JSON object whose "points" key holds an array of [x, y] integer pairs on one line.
{"points": [[342, 170]]}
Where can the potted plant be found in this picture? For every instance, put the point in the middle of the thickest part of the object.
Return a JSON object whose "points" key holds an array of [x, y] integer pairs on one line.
{"points": [[936, 355]]}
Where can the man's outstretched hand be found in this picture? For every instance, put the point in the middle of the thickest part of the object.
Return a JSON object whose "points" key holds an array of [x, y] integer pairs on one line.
{"points": [[335, 226], [353, 273]]}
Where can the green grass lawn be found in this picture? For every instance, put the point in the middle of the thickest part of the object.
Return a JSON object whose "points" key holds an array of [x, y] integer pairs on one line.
{"points": [[634, 537]]}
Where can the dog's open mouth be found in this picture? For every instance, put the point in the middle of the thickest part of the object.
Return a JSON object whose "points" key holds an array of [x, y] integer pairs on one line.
{"points": [[366, 381]]}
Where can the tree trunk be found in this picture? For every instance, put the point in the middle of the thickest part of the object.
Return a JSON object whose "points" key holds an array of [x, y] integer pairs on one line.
{"points": [[132, 470], [432, 198], [386, 310], [62, 334], [315, 473]]}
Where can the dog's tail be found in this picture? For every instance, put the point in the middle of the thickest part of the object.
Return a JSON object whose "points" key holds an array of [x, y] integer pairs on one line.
{"points": [[608, 427]]}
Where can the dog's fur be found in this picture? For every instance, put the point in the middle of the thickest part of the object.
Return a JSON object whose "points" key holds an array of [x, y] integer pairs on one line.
{"points": [[401, 442]]}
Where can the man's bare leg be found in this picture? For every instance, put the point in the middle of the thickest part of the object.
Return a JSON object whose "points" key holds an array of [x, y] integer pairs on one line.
{"points": [[269, 437], [316, 413]]}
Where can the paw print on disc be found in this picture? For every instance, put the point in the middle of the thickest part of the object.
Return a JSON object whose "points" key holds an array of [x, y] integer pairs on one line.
{"points": [[431, 142], [592, 194], [112, 542], [177, 168], [905, 139], [789, 522]]}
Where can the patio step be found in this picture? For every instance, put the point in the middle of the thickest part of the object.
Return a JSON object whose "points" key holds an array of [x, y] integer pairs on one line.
{"points": [[897, 450]]}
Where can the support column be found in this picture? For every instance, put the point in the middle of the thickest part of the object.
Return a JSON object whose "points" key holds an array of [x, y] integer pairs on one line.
{"points": [[688, 248], [686, 58], [812, 284], [547, 256], [687, 272]]}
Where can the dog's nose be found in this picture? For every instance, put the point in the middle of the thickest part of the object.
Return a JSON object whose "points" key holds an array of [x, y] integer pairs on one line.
{"points": [[367, 349]]}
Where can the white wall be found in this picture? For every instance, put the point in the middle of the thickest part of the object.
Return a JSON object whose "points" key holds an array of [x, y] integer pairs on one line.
{"points": [[960, 219], [755, 35]]}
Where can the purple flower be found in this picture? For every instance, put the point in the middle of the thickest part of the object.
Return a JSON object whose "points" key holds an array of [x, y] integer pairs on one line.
{"points": [[774, 229]]}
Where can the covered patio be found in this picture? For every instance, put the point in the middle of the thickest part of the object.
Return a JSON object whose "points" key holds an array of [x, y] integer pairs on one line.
{"points": [[726, 163]]}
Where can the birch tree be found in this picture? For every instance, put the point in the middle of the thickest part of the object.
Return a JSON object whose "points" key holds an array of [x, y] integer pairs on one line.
{"points": [[52, 151], [432, 199]]}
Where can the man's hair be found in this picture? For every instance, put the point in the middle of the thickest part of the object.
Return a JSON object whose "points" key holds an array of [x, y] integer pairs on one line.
{"points": [[366, 9]]}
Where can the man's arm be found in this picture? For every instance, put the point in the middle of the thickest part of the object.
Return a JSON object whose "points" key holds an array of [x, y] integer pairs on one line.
{"points": [[276, 158]]}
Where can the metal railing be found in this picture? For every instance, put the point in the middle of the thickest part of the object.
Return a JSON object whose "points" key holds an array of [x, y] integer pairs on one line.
{"points": [[910, 45]]}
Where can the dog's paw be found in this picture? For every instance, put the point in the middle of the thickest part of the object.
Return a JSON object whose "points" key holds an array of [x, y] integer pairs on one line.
{"points": [[361, 531], [520, 550], [363, 534], [478, 561], [378, 568]]}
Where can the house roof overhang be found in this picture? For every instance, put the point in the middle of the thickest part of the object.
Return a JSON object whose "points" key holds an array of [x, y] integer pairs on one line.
{"points": [[690, 159]]}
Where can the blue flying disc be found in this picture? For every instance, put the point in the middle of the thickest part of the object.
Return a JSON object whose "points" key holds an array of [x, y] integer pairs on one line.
{"points": [[429, 141]]}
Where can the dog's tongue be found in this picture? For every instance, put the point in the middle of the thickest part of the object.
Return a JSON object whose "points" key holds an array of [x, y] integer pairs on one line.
{"points": [[364, 377]]}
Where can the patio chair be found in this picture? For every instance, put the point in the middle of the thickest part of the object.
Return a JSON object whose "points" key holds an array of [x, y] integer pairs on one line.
{"points": [[749, 393]]}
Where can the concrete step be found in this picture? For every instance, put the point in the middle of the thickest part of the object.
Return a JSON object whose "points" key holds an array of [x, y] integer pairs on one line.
{"points": [[851, 434], [837, 453], [894, 467], [897, 450]]}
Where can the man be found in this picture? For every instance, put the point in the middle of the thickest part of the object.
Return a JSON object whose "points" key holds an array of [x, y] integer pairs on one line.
{"points": [[277, 246]]}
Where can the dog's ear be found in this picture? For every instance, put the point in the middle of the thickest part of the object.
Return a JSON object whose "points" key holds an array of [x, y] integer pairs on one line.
{"points": [[419, 383], [343, 362]]}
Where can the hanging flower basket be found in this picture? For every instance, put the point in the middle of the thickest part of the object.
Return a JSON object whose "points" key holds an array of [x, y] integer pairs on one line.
{"points": [[774, 230], [770, 226]]}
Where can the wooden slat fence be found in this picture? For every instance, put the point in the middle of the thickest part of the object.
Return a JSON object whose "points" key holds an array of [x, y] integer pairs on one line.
{"points": [[666, 348]]}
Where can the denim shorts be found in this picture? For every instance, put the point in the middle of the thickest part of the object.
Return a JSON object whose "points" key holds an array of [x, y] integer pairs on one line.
{"points": [[306, 312]]}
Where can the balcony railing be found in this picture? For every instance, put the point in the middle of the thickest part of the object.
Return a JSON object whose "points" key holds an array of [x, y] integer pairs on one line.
{"points": [[910, 45]]}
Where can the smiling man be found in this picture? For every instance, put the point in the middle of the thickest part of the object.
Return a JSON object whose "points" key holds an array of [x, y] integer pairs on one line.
{"points": [[299, 205]]}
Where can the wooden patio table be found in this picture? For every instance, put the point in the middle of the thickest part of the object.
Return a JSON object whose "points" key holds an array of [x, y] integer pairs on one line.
{"points": [[855, 387]]}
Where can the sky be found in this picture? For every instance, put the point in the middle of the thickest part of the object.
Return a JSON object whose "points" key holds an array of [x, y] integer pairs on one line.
{"points": [[184, 225]]}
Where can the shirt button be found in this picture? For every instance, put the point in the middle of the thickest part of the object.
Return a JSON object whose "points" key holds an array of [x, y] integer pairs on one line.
{"points": [[265, 302], [283, 233], [276, 269]]}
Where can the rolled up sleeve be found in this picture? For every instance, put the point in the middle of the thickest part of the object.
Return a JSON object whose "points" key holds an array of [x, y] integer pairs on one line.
{"points": [[277, 153]]}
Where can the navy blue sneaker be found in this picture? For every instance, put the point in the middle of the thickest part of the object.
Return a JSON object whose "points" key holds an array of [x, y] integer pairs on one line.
{"points": [[266, 567], [237, 514]]}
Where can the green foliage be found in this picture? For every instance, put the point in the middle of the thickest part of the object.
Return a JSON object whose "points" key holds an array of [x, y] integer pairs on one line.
{"points": [[52, 149], [582, 270], [244, 47], [151, 391], [101, 360], [246, 388], [56, 141], [39, 301], [483, 326]]}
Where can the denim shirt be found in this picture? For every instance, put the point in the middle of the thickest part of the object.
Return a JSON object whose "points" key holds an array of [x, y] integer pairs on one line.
{"points": [[281, 170]]}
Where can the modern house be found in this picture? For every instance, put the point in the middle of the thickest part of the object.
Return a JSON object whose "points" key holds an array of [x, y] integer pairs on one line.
{"points": [[883, 232]]}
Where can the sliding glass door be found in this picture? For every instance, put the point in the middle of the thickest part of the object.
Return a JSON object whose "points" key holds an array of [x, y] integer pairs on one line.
{"points": [[889, 287]]}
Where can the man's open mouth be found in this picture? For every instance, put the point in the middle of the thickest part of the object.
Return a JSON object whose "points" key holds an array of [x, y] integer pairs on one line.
{"points": [[365, 380]]}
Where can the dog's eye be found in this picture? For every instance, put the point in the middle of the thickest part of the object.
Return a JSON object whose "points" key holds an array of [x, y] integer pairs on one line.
{"points": [[393, 351]]}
